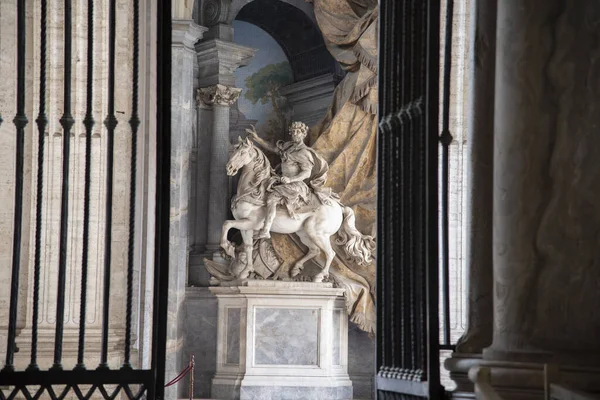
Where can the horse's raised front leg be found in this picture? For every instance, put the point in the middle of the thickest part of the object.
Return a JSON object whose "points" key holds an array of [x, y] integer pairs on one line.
{"points": [[242, 225], [247, 236], [226, 244]]}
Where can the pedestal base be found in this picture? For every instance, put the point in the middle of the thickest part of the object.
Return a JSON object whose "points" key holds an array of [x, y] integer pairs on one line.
{"points": [[458, 365], [284, 390], [526, 380], [281, 340]]}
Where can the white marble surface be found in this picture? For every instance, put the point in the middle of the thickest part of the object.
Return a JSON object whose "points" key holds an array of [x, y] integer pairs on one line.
{"points": [[286, 336]]}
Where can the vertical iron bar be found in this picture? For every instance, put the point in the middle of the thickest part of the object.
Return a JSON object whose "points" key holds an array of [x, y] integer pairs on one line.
{"points": [[163, 172], [88, 122], [20, 122], [42, 121], [110, 122], [430, 190], [446, 139], [410, 219], [66, 122], [381, 308], [134, 122], [382, 200], [421, 77], [392, 269]]}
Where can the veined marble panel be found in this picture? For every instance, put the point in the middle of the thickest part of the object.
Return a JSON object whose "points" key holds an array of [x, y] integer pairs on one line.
{"points": [[335, 348], [286, 336], [233, 335]]}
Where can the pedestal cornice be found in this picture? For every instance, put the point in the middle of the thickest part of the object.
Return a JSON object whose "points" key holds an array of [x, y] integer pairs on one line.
{"points": [[279, 288], [186, 33], [218, 60]]}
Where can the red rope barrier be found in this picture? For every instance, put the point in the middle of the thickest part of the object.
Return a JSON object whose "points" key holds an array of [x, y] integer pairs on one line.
{"points": [[180, 376]]}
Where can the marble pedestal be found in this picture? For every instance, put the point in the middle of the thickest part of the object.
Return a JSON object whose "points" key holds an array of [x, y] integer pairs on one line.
{"points": [[281, 340]]}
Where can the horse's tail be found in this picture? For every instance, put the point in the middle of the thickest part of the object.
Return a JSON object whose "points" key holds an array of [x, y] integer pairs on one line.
{"points": [[358, 247]]}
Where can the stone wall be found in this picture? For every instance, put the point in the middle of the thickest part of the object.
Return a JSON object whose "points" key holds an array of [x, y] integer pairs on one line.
{"points": [[51, 194]]}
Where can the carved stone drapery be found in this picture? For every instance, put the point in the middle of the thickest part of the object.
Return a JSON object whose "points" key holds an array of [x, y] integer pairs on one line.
{"points": [[217, 94]]}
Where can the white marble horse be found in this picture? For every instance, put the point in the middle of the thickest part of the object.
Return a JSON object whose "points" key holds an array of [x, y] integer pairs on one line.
{"points": [[314, 226]]}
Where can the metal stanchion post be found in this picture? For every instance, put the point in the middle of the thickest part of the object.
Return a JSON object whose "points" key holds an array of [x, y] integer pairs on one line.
{"points": [[192, 362]]}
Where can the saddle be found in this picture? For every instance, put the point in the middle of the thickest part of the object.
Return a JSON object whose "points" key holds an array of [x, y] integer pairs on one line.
{"points": [[310, 206]]}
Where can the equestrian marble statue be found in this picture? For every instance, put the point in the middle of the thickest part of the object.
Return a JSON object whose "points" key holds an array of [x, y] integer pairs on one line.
{"points": [[297, 201]]}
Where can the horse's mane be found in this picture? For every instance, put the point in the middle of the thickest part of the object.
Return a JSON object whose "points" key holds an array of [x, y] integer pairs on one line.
{"points": [[262, 171], [262, 167]]}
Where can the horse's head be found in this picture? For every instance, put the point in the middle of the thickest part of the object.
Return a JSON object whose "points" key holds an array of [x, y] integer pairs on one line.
{"points": [[243, 153]]}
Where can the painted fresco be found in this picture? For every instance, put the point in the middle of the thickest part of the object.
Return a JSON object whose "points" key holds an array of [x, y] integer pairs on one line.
{"points": [[260, 103]]}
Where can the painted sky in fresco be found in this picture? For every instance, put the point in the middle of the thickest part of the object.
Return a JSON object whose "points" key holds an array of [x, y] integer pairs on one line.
{"points": [[269, 52]]}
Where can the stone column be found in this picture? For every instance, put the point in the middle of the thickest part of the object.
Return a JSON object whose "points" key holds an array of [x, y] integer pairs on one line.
{"points": [[220, 97], [480, 148], [546, 186], [525, 127], [185, 34], [201, 179], [217, 59]]}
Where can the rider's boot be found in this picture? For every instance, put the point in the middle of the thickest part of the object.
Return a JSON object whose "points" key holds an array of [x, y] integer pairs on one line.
{"points": [[264, 233], [291, 212]]}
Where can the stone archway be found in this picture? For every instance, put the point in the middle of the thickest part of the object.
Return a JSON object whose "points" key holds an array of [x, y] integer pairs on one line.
{"points": [[296, 33]]}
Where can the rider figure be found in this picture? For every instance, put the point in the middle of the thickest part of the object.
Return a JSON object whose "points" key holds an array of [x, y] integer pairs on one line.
{"points": [[302, 169]]}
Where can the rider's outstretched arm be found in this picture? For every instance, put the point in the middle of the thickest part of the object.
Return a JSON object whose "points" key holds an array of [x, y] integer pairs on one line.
{"points": [[265, 145], [262, 143]]}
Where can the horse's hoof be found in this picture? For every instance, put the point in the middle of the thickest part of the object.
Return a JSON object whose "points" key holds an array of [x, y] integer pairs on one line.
{"points": [[229, 249], [296, 270], [319, 278], [245, 273], [262, 235]]}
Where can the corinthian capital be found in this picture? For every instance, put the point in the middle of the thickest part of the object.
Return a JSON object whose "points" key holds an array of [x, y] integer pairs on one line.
{"points": [[217, 94]]}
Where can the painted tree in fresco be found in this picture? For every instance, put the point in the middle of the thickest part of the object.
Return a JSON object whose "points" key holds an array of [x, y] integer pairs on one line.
{"points": [[263, 86]]}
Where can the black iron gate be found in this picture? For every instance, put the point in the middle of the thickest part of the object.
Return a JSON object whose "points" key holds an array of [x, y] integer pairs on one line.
{"points": [[407, 271], [98, 380]]}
